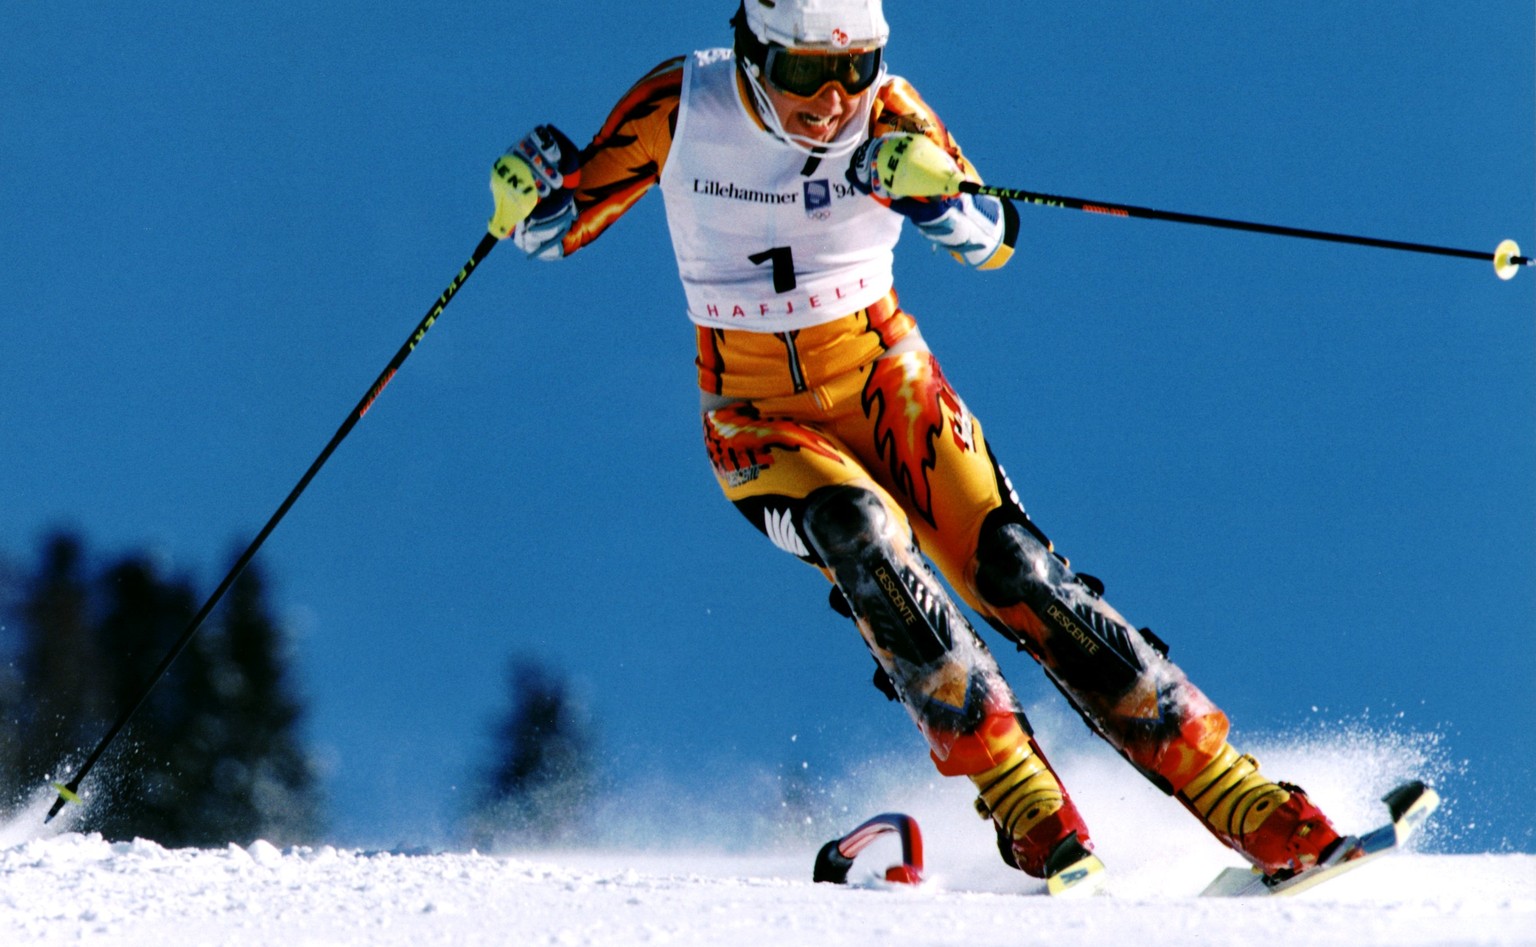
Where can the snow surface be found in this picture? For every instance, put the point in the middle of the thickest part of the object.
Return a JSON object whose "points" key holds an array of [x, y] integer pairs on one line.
{"points": [[81, 889], [682, 866]]}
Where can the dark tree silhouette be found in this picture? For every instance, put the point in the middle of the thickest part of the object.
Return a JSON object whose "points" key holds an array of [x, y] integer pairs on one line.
{"points": [[541, 784], [214, 755], [58, 691]]}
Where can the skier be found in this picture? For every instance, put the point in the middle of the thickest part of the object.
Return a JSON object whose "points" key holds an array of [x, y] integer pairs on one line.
{"points": [[788, 165]]}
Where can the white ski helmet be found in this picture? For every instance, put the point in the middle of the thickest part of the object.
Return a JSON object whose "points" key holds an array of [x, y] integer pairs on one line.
{"points": [[818, 24]]}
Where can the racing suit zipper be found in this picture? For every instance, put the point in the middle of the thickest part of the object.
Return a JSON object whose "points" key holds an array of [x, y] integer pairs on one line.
{"points": [[796, 372]]}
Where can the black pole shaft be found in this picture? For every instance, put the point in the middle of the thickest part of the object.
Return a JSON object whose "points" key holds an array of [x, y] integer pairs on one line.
{"points": [[1147, 213], [487, 243]]}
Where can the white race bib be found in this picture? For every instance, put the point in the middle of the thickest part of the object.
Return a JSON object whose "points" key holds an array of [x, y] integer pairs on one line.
{"points": [[760, 244]]}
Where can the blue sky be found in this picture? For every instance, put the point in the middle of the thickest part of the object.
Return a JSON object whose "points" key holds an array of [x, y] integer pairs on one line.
{"points": [[1308, 467]]}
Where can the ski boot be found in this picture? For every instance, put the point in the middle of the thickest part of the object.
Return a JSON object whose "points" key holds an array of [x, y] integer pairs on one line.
{"points": [[1039, 830], [1273, 825]]}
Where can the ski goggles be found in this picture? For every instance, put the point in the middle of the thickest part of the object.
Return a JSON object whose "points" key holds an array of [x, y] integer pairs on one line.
{"points": [[803, 74]]}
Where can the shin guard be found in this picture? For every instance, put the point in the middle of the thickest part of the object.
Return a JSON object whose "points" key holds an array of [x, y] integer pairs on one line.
{"points": [[1121, 683]]}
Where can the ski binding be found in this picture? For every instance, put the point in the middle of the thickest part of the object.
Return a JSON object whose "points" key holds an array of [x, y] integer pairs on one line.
{"points": [[1409, 805]]}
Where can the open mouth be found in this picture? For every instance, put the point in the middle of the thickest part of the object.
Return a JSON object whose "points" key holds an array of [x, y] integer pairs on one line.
{"points": [[817, 123]]}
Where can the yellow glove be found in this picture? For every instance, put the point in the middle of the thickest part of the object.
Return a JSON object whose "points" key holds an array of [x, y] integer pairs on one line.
{"points": [[905, 165], [515, 190], [543, 168]]}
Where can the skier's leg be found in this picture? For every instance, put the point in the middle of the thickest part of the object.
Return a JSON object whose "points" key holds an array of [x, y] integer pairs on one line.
{"points": [[1123, 684], [942, 672], [969, 522], [803, 489]]}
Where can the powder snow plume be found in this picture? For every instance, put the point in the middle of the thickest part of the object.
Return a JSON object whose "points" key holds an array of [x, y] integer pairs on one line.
{"points": [[1150, 842], [23, 821]]}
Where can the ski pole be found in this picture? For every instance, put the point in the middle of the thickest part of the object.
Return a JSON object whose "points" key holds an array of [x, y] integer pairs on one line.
{"points": [[1506, 257], [68, 792]]}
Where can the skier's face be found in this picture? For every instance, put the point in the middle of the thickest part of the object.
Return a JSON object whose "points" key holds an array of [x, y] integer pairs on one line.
{"points": [[819, 117]]}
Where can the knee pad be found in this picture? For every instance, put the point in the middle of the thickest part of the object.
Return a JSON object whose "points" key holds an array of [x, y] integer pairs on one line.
{"points": [[1036, 600], [843, 521], [879, 573], [1013, 558]]}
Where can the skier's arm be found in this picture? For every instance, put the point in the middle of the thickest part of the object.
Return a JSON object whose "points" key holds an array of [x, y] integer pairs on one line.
{"points": [[623, 161], [978, 231]]}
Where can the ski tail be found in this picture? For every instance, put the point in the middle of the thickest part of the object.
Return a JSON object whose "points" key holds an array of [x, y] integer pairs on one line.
{"points": [[835, 859]]}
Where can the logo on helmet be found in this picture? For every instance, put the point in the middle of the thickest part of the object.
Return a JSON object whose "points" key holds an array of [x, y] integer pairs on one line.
{"points": [[840, 38]]}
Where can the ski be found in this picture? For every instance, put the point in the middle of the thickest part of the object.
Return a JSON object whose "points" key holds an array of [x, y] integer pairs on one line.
{"points": [[1072, 870], [1409, 805]]}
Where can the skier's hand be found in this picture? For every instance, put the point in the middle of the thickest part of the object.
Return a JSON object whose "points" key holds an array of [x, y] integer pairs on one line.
{"points": [[533, 187], [901, 164]]}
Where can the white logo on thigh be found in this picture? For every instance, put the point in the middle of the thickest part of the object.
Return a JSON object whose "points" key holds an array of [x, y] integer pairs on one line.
{"points": [[780, 527]]}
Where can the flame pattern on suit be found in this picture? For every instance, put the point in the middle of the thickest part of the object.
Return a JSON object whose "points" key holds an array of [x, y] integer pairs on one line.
{"points": [[741, 442], [626, 156], [910, 404]]}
